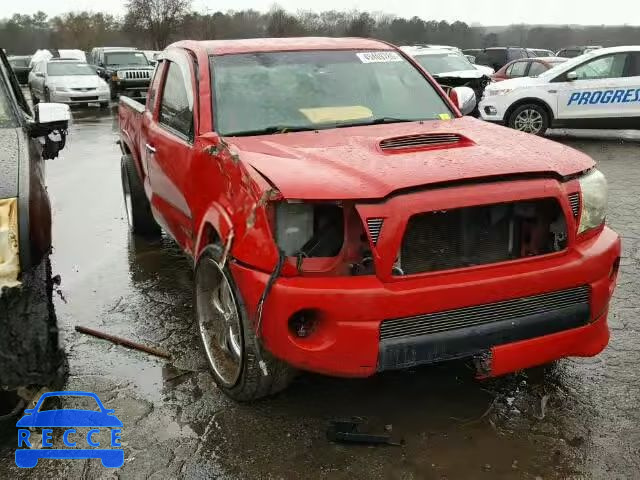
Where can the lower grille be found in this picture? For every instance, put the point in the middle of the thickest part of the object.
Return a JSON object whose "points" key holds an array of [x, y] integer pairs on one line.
{"points": [[465, 237], [508, 310], [85, 99]]}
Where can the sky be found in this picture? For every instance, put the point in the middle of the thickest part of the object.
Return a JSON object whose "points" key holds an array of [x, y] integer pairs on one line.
{"points": [[485, 12]]}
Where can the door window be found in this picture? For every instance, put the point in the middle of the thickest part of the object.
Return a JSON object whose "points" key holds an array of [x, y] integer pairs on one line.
{"points": [[176, 108], [609, 66], [537, 68], [517, 69]]}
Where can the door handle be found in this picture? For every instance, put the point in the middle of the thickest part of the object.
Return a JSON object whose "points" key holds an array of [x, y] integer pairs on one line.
{"points": [[149, 148]]}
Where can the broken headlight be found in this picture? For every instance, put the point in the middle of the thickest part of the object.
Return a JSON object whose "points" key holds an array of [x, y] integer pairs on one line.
{"points": [[9, 253], [309, 230], [594, 200]]}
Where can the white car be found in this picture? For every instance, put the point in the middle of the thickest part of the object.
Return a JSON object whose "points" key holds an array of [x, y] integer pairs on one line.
{"points": [[600, 89], [67, 81]]}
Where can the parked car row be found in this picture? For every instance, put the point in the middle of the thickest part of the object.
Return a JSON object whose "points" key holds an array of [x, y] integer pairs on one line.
{"points": [[498, 57]]}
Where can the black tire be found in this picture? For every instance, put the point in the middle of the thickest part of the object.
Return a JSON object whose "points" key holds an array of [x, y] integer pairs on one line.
{"points": [[114, 93], [104, 105], [533, 109], [139, 216], [47, 95], [29, 342], [252, 384]]}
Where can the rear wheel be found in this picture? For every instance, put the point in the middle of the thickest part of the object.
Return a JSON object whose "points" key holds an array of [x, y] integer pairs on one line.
{"points": [[228, 337], [138, 209], [47, 95], [530, 118], [34, 99]]}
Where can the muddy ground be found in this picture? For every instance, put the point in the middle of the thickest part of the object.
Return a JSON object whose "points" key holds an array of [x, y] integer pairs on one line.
{"points": [[581, 420]]}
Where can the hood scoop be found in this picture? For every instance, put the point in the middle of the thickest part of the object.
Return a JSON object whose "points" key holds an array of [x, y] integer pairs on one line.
{"points": [[425, 141]]}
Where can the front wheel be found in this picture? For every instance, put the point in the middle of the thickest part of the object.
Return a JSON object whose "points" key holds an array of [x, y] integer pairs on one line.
{"points": [[228, 338], [530, 118]]}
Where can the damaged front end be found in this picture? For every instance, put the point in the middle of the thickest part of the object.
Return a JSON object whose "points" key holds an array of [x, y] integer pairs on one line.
{"points": [[477, 84]]}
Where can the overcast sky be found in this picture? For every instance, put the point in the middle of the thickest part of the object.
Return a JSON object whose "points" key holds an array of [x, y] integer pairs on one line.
{"points": [[487, 12]]}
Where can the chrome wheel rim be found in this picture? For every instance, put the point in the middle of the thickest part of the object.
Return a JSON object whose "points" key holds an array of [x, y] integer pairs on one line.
{"points": [[219, 322], [529, 121]]}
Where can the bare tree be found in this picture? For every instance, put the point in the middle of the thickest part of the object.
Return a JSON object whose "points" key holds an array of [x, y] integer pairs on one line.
{"points": [[157, 18]]}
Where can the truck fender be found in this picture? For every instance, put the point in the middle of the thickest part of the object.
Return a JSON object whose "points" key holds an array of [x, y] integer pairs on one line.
{"points": [[216, 226]]}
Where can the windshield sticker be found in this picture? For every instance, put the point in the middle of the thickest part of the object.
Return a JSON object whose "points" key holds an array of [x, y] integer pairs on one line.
{"points": [[444, 116], [379, 57], [336, 114]]}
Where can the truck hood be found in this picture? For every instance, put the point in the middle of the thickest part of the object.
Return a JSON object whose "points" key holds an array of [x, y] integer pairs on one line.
{"points": [[460, 74], [347, 163]]}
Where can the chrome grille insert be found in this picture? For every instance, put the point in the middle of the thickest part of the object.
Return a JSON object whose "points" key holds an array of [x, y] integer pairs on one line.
{"points": [[137, 75], [517, 308], [574, 201], [375, 227]]}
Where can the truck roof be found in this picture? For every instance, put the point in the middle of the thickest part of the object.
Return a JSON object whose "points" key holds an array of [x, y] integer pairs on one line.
{"points": [[252, 45]]}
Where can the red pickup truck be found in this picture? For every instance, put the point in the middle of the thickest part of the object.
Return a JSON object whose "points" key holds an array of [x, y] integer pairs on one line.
{"points": [[343, 217]]}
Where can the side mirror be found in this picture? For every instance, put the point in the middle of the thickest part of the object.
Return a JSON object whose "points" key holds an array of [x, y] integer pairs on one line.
{"points": [[40, 74], [50, 125], [572, 76], [464, 98]]}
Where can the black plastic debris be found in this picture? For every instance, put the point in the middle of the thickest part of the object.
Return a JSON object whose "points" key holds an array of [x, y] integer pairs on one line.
{"points": [[350, 431]]}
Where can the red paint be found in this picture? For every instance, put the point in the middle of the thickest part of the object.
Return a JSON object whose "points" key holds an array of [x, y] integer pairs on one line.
{"points": [[213, 187], [502, 73]]}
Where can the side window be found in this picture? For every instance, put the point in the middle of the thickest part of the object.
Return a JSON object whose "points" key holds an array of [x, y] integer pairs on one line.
{"points": [[517, 69], [633, 68], [609, 66], [176, 107], [155, 84], [536, 69]]}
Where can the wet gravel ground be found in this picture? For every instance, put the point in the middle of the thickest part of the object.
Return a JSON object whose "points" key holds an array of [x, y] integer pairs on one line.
{"points": [[580, 420]]}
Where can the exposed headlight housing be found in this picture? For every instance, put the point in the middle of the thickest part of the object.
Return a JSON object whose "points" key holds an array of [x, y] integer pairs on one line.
{"points": [[294, 226], [9, 245], [594, 200]]}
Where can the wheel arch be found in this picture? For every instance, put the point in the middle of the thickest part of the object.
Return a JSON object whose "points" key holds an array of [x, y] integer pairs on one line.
{"points": [[215, 227], [529, 100]]}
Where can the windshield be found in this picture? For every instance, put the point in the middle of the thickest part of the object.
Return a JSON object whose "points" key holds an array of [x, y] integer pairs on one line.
{"points": [[125, 58], [261, 93], [7, 118], [59, 69], [564, 66], [445, 62]]}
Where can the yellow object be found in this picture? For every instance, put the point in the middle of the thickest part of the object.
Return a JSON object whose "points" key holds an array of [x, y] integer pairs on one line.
{"points": [[9, 253], [336, 114], [444, 116]]}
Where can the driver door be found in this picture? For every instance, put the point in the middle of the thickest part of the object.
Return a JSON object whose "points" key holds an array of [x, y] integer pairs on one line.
{"points": [[604, 94]]}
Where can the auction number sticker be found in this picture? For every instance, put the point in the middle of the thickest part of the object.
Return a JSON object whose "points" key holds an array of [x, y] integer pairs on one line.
{"points": [[379, 57]]}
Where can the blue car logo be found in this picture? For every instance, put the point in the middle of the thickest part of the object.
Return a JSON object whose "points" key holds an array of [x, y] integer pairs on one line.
{"points": [[69, 419]]}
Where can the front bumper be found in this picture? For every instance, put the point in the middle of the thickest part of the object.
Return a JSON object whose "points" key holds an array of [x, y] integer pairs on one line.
{"points": [[131, 88], [494, 108], [350, 310], [74, 98]]}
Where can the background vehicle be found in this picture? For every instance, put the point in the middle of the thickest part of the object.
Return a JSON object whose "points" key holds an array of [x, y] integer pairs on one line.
{"points": [[571, 52], [67, 81], [498, 57], [28, 329], [126, 70], [539, 52], [528, 67], [334, 165], [48, 54], [449, 67], [600, 89], [21, 68]]}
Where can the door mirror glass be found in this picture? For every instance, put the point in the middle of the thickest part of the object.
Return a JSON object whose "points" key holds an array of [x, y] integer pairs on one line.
{"points": [[50, 126], [464, 98], [40, 74], [55, 114], [572, 76]]}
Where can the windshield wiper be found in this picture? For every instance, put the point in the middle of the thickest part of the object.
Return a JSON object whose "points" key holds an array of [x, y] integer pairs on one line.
{"points": [[271, 130], [378, 121]]}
